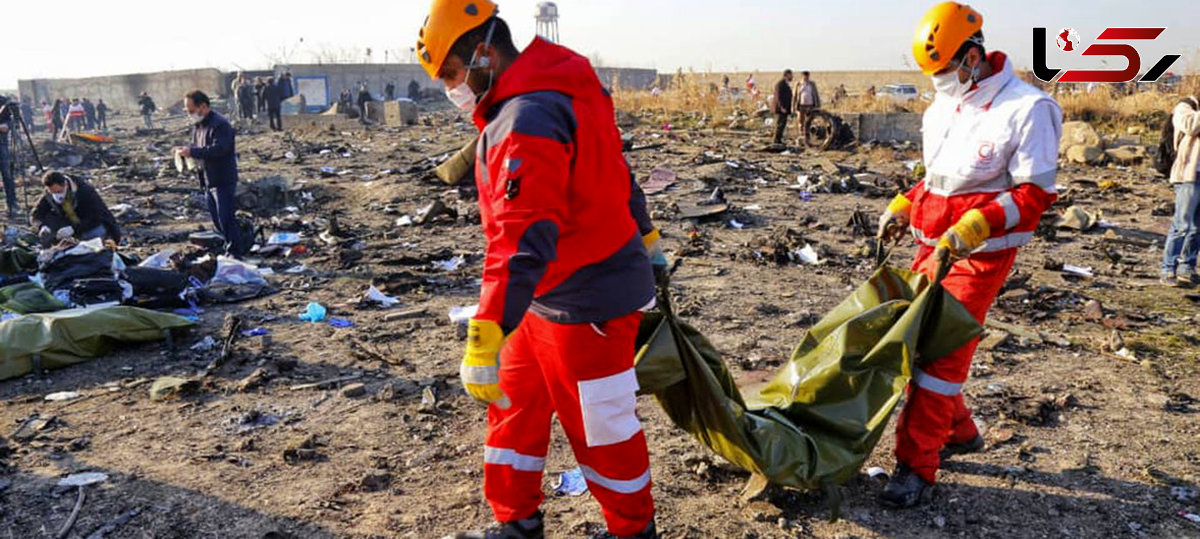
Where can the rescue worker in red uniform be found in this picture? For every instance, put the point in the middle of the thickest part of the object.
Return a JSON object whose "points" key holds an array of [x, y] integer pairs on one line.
{"points": [[991, 157], [567, 272]]}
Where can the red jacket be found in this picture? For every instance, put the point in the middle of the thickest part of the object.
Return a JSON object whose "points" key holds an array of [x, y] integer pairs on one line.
{"points": [[995, 150], [562, 216]]}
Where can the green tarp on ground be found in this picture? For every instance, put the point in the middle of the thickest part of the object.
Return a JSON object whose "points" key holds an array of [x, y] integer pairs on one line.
{"points": [[69, 337], [14, 260], [28, 298], [820, 417]]}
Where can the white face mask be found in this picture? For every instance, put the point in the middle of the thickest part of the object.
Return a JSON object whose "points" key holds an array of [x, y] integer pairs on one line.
{"points": [[948, 84], [195, 118], [59, 197], [462, 96]]}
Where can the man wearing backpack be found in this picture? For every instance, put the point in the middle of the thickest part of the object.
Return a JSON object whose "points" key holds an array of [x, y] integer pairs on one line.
{"points": [[1183, 138]]}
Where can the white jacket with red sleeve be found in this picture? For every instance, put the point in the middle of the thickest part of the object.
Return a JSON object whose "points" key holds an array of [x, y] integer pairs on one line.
{"points": [[995, 150]]}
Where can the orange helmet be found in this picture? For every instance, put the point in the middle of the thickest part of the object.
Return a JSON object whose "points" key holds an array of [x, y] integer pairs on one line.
{"points": [[941, 32], [448, 20]]}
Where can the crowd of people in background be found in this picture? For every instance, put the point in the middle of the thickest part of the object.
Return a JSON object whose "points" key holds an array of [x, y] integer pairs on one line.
{"points": [[250, 99], [75, 114]]}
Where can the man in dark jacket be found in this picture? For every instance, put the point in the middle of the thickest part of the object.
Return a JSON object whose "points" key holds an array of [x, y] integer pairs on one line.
{"points": [[6, 172], [273, 94], [70, 208], [414, 90], [568, 269], [102, 115], [364, 97], [215, 152], [89, 111], [286, 86], [245, 99], [148, 108], [783, 105], [260, 104], [27, 112]]}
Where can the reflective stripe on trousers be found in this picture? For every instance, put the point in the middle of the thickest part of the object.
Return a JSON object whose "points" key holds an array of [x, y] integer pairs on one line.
{"points": [[584, 375], [935, 384], [508, 457], [629, 486], [935, 412]]}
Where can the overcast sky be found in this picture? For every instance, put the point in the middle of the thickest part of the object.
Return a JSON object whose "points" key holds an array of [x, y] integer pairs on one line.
{"points": [[78, 38]]}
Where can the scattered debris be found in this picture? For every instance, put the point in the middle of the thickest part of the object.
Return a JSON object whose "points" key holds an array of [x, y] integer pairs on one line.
{"points": [[374, 295], [355, 390], [63, 396], [170, 387], [83, 479], [570, 483]]}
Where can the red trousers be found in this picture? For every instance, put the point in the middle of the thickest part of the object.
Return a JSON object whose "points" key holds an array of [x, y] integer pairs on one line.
{"points": [[935, 412], [584, 374]]}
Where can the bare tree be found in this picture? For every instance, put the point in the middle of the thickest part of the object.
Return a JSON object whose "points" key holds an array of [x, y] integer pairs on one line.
{"points": [[328, 53]]}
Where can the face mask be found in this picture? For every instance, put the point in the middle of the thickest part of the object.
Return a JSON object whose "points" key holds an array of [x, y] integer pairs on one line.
{"points": [[59, 197], [195, 118], [949, 85], [462, 95]]}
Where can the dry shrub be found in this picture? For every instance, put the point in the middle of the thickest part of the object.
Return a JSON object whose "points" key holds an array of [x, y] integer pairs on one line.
{"points": [[697, 99], [1104, 105], [866, 103], [691, 100]]}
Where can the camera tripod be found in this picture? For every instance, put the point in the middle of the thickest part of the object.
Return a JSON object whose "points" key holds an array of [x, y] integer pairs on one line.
{"points": [[16, 156]]}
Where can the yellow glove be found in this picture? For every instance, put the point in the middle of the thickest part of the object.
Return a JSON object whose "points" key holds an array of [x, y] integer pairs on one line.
{"points": [[480, 370], [893, 222], [967, 235], [658, 260]]}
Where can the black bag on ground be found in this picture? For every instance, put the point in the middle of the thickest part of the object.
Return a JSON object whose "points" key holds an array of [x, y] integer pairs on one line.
{"points": [[60, 273], [95, 291], [155, 288], [250, 232], [215, 242], [1164, 158]]}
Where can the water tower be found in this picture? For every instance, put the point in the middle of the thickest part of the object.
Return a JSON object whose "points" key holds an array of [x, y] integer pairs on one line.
{"points": [[547, 21]]}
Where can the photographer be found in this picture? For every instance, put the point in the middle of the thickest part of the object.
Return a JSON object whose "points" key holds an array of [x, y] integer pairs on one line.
{"points": [[10, 185]]}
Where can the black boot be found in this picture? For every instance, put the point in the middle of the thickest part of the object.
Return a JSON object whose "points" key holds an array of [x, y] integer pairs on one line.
{"points": [[906, 489], [529, 528], [651, 532], [974, 446]]}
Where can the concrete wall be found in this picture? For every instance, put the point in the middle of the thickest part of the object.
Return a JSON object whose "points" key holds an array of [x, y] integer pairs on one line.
{"points": [[121, 91], [899, 126], [168, 87], [350, 76]]}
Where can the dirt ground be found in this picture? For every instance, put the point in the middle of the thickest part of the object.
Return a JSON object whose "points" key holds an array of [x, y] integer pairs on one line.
{"points": [[1082, 442]]}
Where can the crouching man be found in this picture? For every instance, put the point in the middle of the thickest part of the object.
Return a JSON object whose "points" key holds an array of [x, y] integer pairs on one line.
{"points": [[70, 208]]}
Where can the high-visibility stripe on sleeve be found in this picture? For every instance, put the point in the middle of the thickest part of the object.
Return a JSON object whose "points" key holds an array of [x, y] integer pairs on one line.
{"points": [[1046, 180], [508, 457], [1012, 214], [935, 384], [620, 486], [1008, 241]]}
